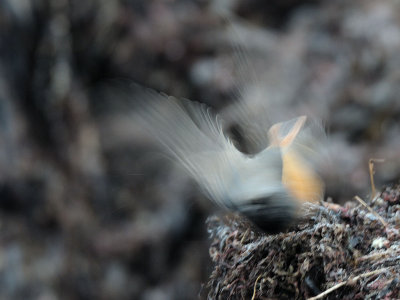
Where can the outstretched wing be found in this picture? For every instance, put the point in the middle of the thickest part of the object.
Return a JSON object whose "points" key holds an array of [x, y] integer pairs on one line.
{"points": [[192, 135]]}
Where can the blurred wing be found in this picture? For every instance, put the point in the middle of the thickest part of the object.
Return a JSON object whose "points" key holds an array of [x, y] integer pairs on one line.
{"points": [[249, 115], [192, 135]]}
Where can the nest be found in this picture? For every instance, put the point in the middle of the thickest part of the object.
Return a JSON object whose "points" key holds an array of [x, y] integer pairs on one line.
{"points": [[339, 252]]}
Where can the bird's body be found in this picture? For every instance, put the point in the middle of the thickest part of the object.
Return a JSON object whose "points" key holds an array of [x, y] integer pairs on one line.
{"points": [[268, 187]]}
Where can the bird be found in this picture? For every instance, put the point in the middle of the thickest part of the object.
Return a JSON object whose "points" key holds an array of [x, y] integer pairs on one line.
{"points": [[268, 188]]}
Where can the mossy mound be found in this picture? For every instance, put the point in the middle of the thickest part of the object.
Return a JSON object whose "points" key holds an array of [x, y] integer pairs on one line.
{"points": [[348, 249]]}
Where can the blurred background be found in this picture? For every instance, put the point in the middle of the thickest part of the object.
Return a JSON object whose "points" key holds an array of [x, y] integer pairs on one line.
{"points": [[85, 211]]}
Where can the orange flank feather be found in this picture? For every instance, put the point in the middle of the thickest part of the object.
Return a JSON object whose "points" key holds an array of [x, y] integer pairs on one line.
{"points": [[300, 180]]}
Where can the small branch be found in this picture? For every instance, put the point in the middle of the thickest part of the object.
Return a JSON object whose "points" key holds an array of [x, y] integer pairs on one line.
{"points": [[372, 172], [350, 280], [255, 288], [371, 210], [244, 236], [374, 256]]}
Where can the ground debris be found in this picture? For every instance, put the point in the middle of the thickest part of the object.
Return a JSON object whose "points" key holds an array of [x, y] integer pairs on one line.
{"points": [[339, 252]]}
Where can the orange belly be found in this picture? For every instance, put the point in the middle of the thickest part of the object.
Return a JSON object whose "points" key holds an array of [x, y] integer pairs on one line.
{"points": [[301, 181]]}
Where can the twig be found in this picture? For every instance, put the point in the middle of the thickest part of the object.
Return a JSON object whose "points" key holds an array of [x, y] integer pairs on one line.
{"points": [[255, 287], [350, 280], [372, 172], [374, 256], [371, 210], [244, 236]]}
